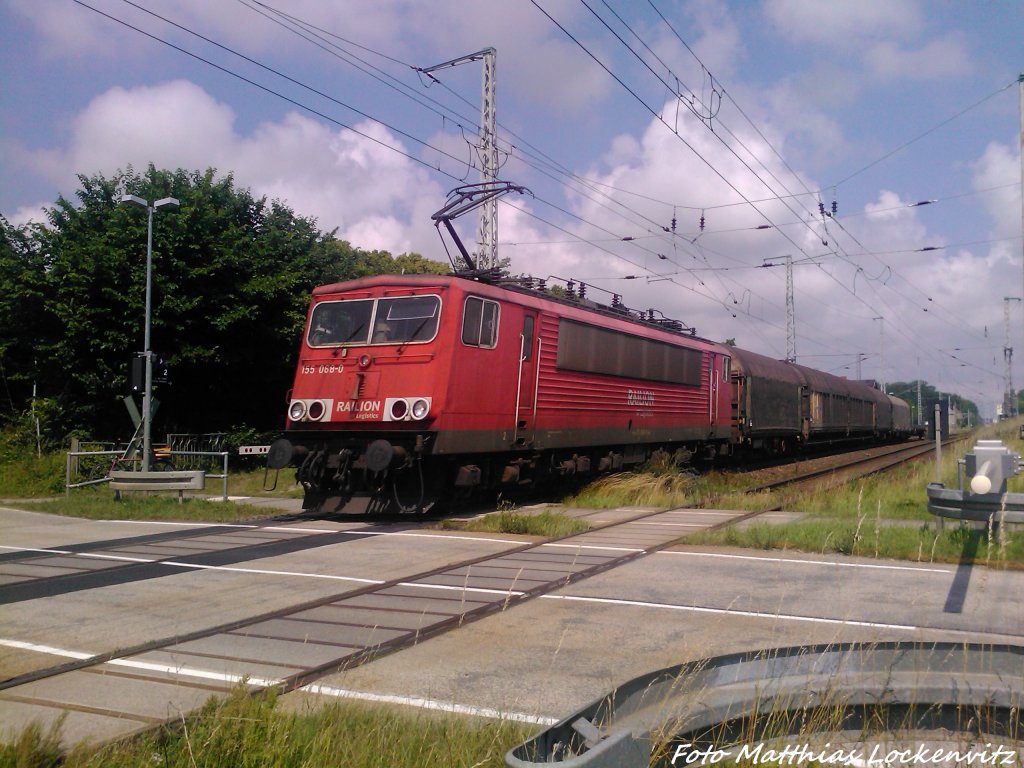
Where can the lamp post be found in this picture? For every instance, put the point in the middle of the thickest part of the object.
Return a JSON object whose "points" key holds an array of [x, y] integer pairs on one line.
{"points": [[147, 416]]}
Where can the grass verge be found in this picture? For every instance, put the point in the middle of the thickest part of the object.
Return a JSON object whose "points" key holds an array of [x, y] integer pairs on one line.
{"points": [[243, 730], [92, 506], [883, 516], [868, 538], [32, 475], [252, 483], [547, 523]]}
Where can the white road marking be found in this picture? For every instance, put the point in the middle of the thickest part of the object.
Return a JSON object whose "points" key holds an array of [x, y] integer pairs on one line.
{"points": [[43, 551], [593, 546], [431, 704], [143, 665], [323, 690], [264, 572], [198, 566], [435, 536], [452, 588], [49, 649], [203, 674], [728, 612], [122, 558], [176, 525], [835, 563]]}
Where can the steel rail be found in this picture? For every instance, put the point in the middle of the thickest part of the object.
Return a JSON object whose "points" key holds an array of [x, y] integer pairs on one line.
{"points": [[167, 642]]}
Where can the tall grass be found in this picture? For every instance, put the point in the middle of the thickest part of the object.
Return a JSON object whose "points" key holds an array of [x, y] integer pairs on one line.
{"points": [[30, 475], [664, 481], [916, 543], [243, 731], [879, 516], [885, 516]]}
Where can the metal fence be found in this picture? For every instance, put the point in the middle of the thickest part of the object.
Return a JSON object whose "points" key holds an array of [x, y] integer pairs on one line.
{"points": [[85, 468], [194, 450]]}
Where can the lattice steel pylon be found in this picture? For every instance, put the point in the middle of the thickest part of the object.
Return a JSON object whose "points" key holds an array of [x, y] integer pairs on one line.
{"points": [[487, 236], [790, 313], [487, 231], [1009, 396]]}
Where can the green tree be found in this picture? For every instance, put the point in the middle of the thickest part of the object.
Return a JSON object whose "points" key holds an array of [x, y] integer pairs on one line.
{"points": [[22, 300], [232, 275], [349, 263], [907, 390]]}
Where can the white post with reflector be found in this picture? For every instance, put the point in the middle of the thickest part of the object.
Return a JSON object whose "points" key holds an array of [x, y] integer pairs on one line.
{"points": [[989, 466]]}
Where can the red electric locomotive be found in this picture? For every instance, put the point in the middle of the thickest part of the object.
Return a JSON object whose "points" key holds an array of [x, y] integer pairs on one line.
{"points": [[409, 387]]}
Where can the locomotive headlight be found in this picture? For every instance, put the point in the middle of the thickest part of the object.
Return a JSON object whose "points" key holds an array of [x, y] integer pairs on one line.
{"points": [[364, 360], [399, 408], [316, 410], [420, 408], [406, 408], [296, 410]]}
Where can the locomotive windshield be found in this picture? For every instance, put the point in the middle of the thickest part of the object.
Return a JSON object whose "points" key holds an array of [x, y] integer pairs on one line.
{"points": [[374, 321]]}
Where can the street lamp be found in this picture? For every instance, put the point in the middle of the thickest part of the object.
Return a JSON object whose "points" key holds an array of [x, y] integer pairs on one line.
{"points": [[147, 416]]}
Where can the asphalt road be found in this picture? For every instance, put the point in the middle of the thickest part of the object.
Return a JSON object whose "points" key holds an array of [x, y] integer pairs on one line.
{"points": [[536, 661]]}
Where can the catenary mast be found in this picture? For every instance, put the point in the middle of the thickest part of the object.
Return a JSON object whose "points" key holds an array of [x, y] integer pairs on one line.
{"points": [[487, 232]]}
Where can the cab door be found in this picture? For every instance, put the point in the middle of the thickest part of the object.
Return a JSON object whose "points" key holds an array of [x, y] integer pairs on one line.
{"points": [[713, 390], [526, 391]]}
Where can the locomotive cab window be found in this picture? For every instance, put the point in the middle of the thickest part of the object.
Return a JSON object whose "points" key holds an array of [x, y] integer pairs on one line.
{"points": [[480, 323], [340, 322], [406, 319], [392, 321]]}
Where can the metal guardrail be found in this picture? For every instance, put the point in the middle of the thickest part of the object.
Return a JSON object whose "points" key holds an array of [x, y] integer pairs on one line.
{"points": [[950, 503], [186, 480], [985, 500], [724, 703], [73, 458]]}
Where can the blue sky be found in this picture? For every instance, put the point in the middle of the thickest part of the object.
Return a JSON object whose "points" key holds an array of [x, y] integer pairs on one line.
{"points": [[875, 104]]}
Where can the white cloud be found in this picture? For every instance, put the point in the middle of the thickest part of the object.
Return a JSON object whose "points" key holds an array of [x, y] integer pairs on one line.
{"points": [[882, 38], [172, 124], [355, 182], [844, 24], [718, 43], [71, 31], [998, 171], [535, 61], [937, 58], [29, 213]]}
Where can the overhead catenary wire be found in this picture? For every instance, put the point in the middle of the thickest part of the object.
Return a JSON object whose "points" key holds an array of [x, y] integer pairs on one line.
{"points": [[838, 252], [302, 106], [651, 237]]}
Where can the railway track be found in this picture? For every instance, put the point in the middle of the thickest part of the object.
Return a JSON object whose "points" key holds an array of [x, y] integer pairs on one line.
{"points": [[135, 688], [853, 467], [832, 474], [153, 682]]}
